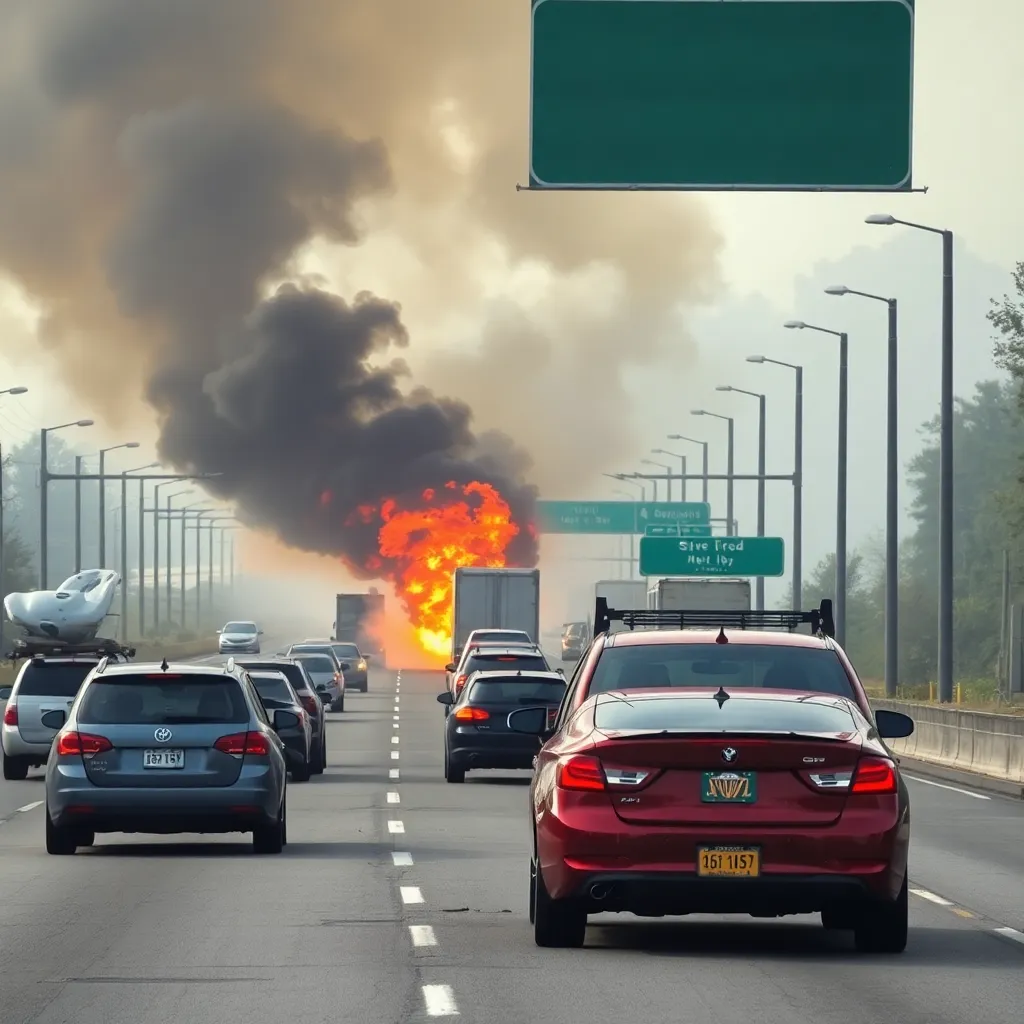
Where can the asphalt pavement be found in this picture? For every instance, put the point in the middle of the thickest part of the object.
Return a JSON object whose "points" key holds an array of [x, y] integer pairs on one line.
{"points": [[400, 898]]}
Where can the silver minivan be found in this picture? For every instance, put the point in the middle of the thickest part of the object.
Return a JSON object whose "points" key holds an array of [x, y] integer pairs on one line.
{"points": [[43, 684]]}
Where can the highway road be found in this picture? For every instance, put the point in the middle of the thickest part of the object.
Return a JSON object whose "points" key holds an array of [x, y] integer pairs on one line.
{"points": [[400, 899]]}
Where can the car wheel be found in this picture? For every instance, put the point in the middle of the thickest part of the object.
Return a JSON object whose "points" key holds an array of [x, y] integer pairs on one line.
{"points": [[270, 838], [557, 924], [882, 927], [338, 705], [15, 768], [301, 774], [60, 841], [316, 758], [86, 838], [452, 773], [533, 889], [321, 763]]}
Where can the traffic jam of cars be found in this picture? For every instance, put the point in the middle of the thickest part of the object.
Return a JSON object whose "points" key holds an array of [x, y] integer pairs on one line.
{"points": [[695, 762], [167, 749]]}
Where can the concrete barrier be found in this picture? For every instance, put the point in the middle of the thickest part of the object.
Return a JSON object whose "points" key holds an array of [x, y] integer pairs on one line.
{"points": [[972, 741]]}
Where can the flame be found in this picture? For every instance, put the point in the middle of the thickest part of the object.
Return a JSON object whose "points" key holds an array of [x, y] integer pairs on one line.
{"points": [[420, 548]]}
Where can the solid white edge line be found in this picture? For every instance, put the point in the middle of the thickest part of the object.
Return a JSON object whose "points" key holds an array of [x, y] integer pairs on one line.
{"points": [[932, 898], [942, 785], [392, 773], [411, 893], [422, 935], [30, 807], [394, 755], [393, 798], [396, 827], [440, 1001], [401, 860], [1010, 933]]}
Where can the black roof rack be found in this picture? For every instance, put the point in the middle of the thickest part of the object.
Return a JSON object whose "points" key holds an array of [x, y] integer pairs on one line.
{"points": [[820, 618], [37, 647]]}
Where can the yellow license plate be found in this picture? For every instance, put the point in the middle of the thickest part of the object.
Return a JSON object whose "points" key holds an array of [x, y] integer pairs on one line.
{"points": [[729, 861]]}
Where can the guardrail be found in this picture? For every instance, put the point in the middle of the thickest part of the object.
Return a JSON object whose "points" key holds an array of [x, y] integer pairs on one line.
{"points": [[973, 741]]}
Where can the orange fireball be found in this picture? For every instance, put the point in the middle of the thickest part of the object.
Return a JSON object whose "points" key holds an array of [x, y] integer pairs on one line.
{"points": [[420, 548]]}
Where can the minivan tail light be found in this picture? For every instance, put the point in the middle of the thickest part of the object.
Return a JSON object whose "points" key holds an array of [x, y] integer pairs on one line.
{"points": [[581, 772], [83, 743], [874, 775], [11, 714], [471, 714], [249, 744]]}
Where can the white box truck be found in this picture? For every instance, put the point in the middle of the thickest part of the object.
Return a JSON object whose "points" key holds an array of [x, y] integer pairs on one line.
{"points": [[623, 595], [494, 599], [687, 595]]}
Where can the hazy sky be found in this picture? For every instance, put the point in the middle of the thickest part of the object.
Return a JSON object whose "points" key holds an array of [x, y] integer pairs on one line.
{"points": [[774, 255]]}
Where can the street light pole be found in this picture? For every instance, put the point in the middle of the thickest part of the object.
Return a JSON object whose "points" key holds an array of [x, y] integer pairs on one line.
{"points": [[704, 445], [44, 479], [668, 479], [841, 470], [761, 458], [103, 498], [78, 514], [682, 469], [892, 545], [730, 526], [3, 536], [124, 542], [946, 493], [798, 473]]}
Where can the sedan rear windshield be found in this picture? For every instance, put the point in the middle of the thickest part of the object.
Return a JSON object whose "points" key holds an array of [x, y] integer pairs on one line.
{"points": [[736, 666], [480, 662], [517, 690], [163, 699], [291, 670], [743, 714], [272, 688], [346, 651], [318, 663], [54, 679]]}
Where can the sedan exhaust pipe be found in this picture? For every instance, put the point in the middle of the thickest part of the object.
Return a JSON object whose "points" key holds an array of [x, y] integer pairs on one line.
{"points": [[600, 891]]}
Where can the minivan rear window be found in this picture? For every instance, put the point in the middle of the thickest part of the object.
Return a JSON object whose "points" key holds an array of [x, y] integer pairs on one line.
{"points": [[517, 690], [54, 679], [802, 716], [190, 699], [734, 666]]}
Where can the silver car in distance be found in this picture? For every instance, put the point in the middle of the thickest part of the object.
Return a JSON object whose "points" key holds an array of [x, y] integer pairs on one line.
{"points": [[166, 749]]}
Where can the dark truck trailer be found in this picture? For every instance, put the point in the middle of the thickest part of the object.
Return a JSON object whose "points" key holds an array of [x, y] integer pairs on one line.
{"points": [[359, 620]]}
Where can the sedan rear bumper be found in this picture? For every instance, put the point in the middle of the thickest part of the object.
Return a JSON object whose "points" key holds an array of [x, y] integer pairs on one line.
{"points": [[509, 750]]}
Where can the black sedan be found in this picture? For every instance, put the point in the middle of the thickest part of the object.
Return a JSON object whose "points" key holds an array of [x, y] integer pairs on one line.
{"points": [[278, 694], [476, 729]]}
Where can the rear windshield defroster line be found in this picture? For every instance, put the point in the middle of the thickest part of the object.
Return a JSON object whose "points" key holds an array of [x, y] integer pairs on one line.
{"points": [[161, 699], [743, 714]]}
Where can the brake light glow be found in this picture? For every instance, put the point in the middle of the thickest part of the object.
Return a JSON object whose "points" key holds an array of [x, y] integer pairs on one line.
{"points": [[83, 743], [471, 714], [309, 703], [460, 683], [11, 714], [874, 775], [248, 744], [581, 772]]}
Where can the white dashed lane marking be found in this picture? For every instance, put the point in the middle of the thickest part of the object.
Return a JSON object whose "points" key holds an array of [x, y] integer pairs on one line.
{"points": [[411, 893], [30, 807], [394, 739], [396, 828], [1011, 933], [393, 798], [394, 755], [440, 1001], [392, 773], [422, 935], [401, 860], [932, 898]]}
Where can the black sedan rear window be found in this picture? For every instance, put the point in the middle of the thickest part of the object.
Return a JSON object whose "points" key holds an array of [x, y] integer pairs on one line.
{"points": [[291, 670], [54, 679], [744, 714], [481, 662], [163, 699], [734, 666], [517, 690], [271, 687]]}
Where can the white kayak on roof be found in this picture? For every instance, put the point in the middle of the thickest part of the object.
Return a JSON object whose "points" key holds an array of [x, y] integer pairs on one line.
{"points": [[72, 613]]}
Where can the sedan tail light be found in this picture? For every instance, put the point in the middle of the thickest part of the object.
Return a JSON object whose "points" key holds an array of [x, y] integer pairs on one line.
{"points": [[459, 684], [471, 714], [309, 702], [875, 775], [581, 772], [249, 744], [11, 714], [83, 743]]}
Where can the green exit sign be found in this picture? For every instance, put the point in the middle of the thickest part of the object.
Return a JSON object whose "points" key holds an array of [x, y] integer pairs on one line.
{"points": [[712, 556]]}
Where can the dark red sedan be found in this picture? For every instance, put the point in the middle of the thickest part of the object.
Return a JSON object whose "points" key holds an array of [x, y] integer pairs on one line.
{"points": [[760, 801]]}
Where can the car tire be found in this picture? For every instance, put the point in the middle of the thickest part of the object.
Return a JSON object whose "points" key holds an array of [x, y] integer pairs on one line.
{"points": [[339, 704], [271, 838], [15, 768], [882, 927], [452, 773], [302, 773], [533, 890], [321, 761], [557, 924], [86, 838], [60, 840]]}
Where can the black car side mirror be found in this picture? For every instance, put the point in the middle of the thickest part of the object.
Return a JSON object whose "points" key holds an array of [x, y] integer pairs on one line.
{"points": [[450, 667], [54, 719], [367, 657], [445, 698], [529, 721], [285, 720], [345, 666], [893, 725]]}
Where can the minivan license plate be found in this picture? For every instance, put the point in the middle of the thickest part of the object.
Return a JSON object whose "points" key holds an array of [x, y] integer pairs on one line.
{"points": [[163, 759]]}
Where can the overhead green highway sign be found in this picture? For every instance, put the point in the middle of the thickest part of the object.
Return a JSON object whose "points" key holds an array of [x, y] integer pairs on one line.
{"points": [[786, 95], [712, 556], [676, 530], [610, 517]]}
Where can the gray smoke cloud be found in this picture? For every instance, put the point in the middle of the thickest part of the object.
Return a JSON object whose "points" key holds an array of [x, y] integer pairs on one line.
{"points": [[165, 162]]}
